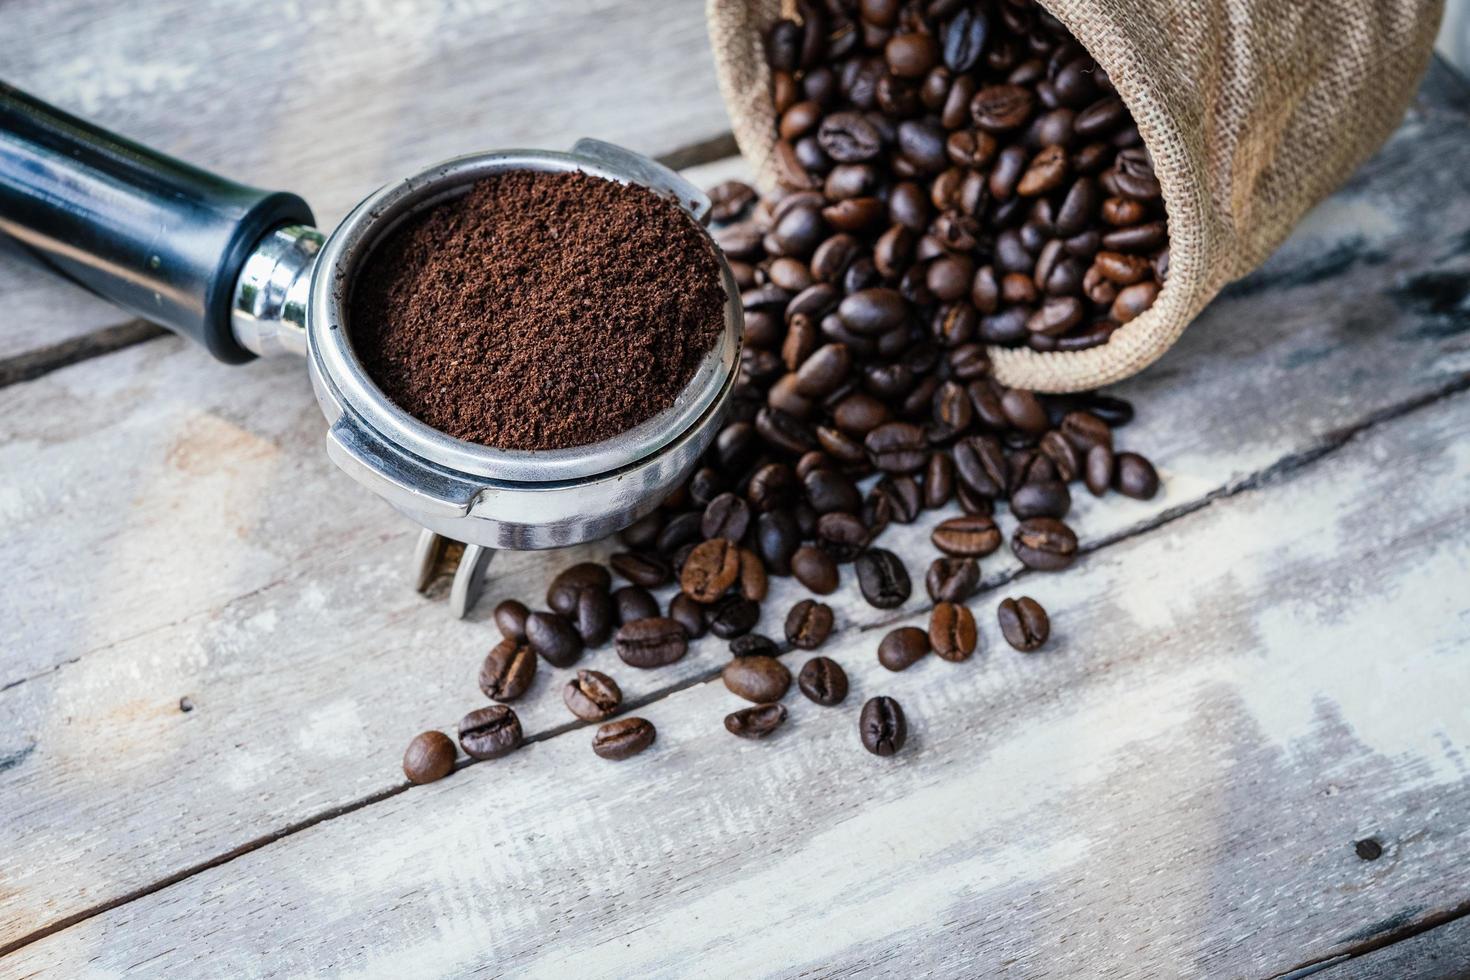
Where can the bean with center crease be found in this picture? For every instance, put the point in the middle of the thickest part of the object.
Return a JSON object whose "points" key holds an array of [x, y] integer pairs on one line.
{"points": [[756, 722], [623, 738]]}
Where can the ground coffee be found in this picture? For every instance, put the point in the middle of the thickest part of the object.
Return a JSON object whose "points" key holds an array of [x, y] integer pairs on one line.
{"points": [[540, 310]]}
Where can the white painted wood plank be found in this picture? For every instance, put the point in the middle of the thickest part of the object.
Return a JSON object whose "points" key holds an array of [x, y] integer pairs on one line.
{"points": [[1172, 788], [1442, 953], [334, 98], [223, 559]]}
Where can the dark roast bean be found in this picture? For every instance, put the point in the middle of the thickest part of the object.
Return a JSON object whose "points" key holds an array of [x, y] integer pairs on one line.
{"points": [[726, 516], [489, 733], [785, 431], [753, 645], [641, 568], [772, 486], [593, 618], [970, 536], [633, 602], [1049, 498], [655, 642], [753, 581], [897, 447], [732, 616], [430, 757], [623, 738], [808, 624], [981, 465], [688, 614], [815, 569], [510, 616], [823, 680], [561, 595], [713, 566], [1135, 477], [1063, 455], [756, 722], [900, 649], [870, 312], [776, 540], [554, 638], [952, 579], [1099, 469], [830, 491], [842, 535], [1023, 623], [883, 578], [904, 495], [592, 695], [508, 670], [882, 726], [952, 631], [730, 200], [757, 678], [965, 37], [848, 137], [997, 108], [1045, 544]]}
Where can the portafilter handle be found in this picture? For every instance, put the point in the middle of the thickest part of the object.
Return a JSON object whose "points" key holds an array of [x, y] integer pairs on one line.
{"points": [[157, 237]]}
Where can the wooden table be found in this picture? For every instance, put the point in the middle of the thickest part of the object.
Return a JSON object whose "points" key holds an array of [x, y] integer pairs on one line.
{"points": [[211, 660]]}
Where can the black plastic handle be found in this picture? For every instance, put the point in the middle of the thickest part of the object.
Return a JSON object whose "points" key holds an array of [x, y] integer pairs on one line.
{"points": [[152, 234]]}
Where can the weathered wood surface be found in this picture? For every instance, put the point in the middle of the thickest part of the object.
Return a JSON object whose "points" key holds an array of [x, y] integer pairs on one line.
{"points": [[224, 560], [1171, 788], [333, 99], [1442, 953]]}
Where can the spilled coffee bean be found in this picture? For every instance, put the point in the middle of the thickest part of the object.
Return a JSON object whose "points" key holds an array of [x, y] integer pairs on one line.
{"points": [[756, 722], [823, 680], [623, 738], [882, 726]]}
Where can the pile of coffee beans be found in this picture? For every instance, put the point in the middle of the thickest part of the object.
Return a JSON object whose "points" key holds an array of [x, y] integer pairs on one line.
{"points": [[955, 175], [964, 166]]}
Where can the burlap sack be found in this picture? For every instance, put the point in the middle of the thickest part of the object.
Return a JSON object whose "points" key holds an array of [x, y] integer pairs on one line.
{"points": [[1253, 110]]}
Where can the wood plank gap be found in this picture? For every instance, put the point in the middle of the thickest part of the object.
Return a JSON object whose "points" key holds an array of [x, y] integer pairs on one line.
{"points": [[1283, 470], [120, 336], [43, 360], [1401, 934]]}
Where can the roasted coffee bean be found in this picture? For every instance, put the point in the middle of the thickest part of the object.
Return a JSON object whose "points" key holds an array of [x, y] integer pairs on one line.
{"points": [[623, 738], [830, 491], [554, 638], [952, 579], [753, 645], [1099, 469], [1063, 455], [732, 616], [430, 757], [842, 536], [593, 618], [489, 733], [997, 108], [688, 614], [753, 581], [1023, 623], [1024, 411], [757, 678], [900, 649], [897, 447], [938, 481], [510, 616], [849, 137], [642, 568], [633, 602], [904, 495], [823, 680], [1049, 498], [772, 486], [808, 624], [1085, 430], [713, 566], [1114, 411], [655, 642], [756, 722], [952, 631], [1045, 544], [883, 578], [882, 726], [726, 516], [1135, 477], [776, 540], [561, 595], [508, 670], [980, 463], [785, 431], [730, 200], [970, 536], [679, 558], [815, 569], [705, 485], [592, 695]]}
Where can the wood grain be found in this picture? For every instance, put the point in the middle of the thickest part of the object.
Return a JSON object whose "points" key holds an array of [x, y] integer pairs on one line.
{"points": [[1171, 788], [1442, 953], [332, 99]]}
